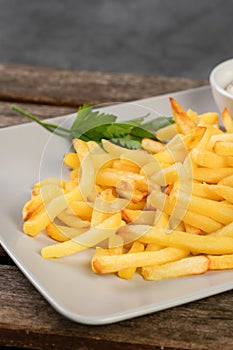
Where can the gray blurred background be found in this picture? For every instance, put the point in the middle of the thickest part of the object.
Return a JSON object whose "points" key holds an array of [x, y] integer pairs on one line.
{"points": [[154, 37]]}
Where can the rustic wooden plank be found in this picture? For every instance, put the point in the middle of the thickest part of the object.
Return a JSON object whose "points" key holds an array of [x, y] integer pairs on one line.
{"points": [[2, 252], [27, 320], [4, 258], [8, 117], [71, 88]]}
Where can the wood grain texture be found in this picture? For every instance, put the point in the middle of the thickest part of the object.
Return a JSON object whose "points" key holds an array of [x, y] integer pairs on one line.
{"points": [[2, 252], [4, 259], [72, 88], [8, 117], [27, 317]]}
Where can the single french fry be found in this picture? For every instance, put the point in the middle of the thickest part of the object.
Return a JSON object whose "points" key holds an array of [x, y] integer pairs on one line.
{"points": [[152, 145], [128, 273], [87, 169], [205, 191], [189, 266], [211, 175], [111, 177], [208, 159], [184, 124], [125, 165], [192, 242], [71, 160], [222, 262], [62, 249], [224, 149], [204, 223], [166, 133], [164, 157], [109, 264], [227, 120]]}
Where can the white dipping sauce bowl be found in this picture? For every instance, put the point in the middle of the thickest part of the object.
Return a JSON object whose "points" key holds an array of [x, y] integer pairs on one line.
{"points": [[220, 77]]}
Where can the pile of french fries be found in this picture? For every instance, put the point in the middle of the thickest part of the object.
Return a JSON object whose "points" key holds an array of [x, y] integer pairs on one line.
{"points": [[164, 211]]}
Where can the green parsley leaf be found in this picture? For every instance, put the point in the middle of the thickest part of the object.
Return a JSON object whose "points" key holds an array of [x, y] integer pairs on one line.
{"points": [[127, 142], [94, 125], [87, 119]]}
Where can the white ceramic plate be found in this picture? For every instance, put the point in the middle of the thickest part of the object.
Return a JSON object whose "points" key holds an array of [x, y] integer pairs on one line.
{"points": [[27, 153]]}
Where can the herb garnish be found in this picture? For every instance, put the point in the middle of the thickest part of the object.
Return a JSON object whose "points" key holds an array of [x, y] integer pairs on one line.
{"points": [[95, 126]]}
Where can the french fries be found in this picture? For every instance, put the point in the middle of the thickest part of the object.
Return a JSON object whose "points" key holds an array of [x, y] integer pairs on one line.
{"points": [[114, 263], [195, 265], [222, 262], [84, 241], [164, 211]]}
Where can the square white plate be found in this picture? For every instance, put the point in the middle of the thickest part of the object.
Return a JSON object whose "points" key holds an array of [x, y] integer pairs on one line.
{"points": [[29, 153]]}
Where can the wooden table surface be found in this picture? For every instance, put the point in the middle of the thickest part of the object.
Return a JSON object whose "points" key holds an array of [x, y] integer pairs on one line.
{"points": [[26, 319]]}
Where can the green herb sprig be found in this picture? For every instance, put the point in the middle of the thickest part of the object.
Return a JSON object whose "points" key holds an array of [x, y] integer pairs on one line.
{"points": [[94, 125]]}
